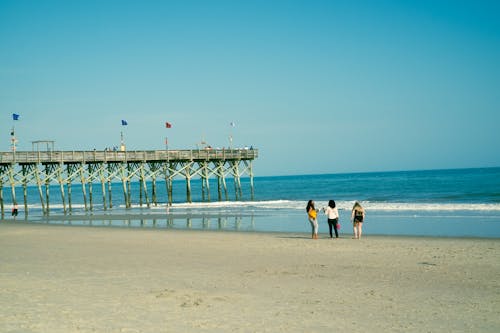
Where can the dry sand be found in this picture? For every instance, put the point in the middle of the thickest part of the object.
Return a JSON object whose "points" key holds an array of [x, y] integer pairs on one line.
{"points": [[84, 279]]}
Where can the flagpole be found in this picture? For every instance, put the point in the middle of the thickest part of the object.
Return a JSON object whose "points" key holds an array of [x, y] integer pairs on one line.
{"points": [[122, 141], [13, 139], [169, 180], [231, 124], [167, 126]]}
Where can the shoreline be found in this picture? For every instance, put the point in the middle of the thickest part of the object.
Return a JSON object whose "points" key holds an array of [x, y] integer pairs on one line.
{"points": [[306, 234], [463, 227], [141, 280]]}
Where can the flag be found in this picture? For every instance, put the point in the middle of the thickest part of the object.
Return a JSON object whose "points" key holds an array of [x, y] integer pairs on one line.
{"points": [[15, 116], [124, 123], [168, 125]]}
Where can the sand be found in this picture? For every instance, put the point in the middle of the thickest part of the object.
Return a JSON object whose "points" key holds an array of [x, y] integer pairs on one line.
{"points": [[95, 279]]}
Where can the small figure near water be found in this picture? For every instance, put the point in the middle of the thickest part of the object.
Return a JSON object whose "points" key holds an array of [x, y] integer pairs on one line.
{"points": [[357, 218], [332, 214], [311, 214], [14, 210]]}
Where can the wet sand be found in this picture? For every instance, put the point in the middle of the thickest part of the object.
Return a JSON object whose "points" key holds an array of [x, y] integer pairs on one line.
{"points": [[86, 279]]}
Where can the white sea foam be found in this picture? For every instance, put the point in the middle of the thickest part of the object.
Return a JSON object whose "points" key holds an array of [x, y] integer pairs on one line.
{"points": [[431, 207], [274, 205], [342, 205]]}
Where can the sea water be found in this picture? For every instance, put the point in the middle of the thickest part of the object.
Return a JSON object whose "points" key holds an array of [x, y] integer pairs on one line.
{"points": [[450, 203]]}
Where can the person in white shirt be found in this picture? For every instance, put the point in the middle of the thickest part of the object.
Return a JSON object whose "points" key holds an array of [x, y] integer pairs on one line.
{"points": [[333, 218]]}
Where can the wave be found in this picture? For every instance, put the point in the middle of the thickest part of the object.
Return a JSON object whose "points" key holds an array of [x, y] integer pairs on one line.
{"points": [[276, 205], [342, 205]]}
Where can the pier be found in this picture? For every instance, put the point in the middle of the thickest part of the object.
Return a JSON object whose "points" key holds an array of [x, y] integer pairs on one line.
{"points": [[102, 168]]}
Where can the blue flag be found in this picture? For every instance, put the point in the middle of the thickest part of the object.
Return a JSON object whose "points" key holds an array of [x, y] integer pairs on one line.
{"points": [[124, 123], [15, 116]]}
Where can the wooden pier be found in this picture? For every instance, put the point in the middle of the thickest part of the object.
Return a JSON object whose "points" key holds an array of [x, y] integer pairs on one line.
{"points": [[43, 168]]}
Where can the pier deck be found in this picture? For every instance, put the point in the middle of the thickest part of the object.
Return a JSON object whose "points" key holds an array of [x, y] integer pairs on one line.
{"points": [[127, 156]]}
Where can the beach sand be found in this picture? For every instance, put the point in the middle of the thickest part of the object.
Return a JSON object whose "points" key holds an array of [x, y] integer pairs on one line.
{"points": [[97, 279]]}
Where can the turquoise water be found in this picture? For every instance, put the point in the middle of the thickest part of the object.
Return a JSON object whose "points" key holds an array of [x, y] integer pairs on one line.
{"points": [[454, 203]]}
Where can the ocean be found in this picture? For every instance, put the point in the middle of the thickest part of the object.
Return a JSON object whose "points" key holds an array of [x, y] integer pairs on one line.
{"points": [[444, 203]]}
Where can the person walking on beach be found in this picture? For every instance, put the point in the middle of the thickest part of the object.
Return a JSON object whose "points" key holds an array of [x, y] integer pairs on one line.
{"points": [[357, 218], [332, 214], [14, 210], [311, 214]]}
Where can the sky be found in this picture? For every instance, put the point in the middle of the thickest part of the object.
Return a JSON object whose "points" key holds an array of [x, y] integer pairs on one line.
{"points": [[316, 86]]}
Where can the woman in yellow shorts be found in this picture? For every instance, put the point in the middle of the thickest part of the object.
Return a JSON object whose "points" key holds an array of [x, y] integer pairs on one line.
{"points": [[311, 214]]}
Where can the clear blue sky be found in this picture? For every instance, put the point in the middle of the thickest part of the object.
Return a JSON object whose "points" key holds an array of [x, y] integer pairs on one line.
{"points": [[316, 86]]}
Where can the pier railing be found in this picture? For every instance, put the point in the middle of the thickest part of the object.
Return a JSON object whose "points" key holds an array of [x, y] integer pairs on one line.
{"points": [[126, 156]]}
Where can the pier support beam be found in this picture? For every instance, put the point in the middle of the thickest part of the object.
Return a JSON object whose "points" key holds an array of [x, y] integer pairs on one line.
{"points": [[187, 174], [2, 209], [25, 170], [61, 186], [84, 190], [102, 178], [39, 185]]}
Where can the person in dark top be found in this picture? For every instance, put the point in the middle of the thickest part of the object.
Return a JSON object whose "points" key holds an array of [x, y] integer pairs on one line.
{"points": [[357, 218]]}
